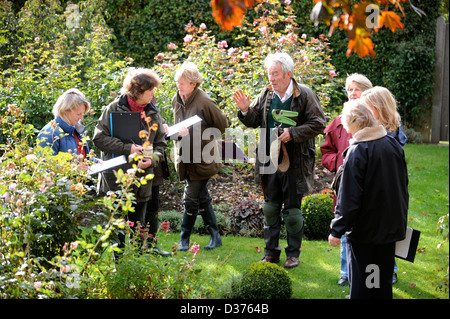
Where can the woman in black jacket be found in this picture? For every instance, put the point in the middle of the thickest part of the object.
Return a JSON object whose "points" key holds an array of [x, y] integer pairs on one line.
{"points": [[372, 203]]}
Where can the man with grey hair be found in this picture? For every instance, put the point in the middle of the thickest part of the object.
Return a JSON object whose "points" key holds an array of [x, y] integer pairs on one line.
{"points": [[284, 186]]}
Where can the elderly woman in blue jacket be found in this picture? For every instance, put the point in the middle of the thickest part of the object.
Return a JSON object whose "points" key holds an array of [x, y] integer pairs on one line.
{"points": [[65, 132]]}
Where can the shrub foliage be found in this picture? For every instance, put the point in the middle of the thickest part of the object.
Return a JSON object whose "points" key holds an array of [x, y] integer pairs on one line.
{"points": [[317, 212], [263, 281], [44, 252]]}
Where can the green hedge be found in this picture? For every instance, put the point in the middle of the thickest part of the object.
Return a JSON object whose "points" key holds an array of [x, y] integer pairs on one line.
{"points": [[404, 61], [317, 212]]}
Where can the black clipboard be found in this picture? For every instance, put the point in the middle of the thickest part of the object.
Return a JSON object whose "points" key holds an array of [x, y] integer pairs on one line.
{"points": [[406, 248], [125, 126]]}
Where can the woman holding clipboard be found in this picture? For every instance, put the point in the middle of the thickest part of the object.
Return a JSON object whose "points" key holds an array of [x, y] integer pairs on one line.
{"points": [[117, 133]]}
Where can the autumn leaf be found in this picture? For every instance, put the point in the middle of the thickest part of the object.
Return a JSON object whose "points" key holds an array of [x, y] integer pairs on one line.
{"points": [[390, 20], [142, 134], [228, 13], [154, 127], [361, 44], [351, 15]]}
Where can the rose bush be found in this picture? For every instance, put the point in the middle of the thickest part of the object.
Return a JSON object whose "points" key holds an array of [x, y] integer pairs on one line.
{"points": [[57, 237], [226, 69]]}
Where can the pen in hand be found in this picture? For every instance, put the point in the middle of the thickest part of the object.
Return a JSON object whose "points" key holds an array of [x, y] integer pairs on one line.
{"points": [[135, 148]]}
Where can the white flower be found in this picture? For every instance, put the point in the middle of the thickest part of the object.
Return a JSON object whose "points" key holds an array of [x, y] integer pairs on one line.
{"points": [[31, 157]]}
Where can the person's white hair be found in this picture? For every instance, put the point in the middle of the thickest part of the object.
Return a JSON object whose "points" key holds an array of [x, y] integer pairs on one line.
{"points": [[287, 64], [358, 114], [361, 81]]}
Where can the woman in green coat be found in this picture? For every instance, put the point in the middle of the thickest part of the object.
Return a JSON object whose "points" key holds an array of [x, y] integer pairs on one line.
{"points": [[197, 155], [137, 95]]}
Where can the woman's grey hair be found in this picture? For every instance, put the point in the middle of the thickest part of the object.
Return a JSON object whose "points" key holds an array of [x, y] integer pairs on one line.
{"points": [[287, 64], [357, 113], [190, 72], [139, 80], [361, 81], [68, 101]]}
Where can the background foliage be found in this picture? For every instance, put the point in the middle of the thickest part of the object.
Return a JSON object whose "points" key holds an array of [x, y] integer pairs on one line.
{"points": [[41, 57], [44, 57], [404, 61]]}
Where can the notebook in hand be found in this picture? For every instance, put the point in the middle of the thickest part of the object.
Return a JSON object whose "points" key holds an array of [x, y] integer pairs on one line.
{"points": [[406, 248]]}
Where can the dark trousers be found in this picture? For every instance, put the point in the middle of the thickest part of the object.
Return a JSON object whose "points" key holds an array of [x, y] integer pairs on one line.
{"points": [[196, 200], [370, 269], [196, 195], [281, 188], [146, 215]]}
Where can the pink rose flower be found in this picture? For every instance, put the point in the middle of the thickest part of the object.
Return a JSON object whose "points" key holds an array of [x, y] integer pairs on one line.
{"points": [[223, 44], [195, 249], [159, 57]]}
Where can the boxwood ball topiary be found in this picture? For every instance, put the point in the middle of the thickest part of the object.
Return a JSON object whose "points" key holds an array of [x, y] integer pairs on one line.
{"points": [[263, 280], [317, 212]]}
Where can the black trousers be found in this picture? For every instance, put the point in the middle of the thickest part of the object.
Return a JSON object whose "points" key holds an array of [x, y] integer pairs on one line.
{"points": [[370, 269], [281, 188], [146, 214]]}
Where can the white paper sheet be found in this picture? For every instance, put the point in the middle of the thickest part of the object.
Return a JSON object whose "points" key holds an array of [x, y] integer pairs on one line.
{"points": [[402, 247], [174, 129], [116, 161]]}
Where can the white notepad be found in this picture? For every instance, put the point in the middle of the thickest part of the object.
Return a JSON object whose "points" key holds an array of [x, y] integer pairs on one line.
{"points": [[100, 167], [174, 129]]}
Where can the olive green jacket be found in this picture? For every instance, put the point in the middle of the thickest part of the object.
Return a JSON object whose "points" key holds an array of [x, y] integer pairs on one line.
{"points": [[189, 152], [309, 123], [110, 146]]}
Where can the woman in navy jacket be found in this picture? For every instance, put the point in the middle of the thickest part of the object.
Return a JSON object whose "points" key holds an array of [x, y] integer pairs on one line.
{"points": [[372, 204], [65, 132]]}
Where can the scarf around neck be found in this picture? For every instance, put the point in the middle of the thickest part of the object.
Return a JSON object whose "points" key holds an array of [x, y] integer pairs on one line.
{"points": [[134, 107], [369, 134]]}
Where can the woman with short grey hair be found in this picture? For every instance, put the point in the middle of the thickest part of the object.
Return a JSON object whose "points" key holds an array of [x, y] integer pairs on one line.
{"points": [[372, 204], [190, 163], [190, 72]]}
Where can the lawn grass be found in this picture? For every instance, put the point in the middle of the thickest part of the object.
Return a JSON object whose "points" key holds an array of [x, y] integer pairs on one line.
{"points": [[319, 270]]}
